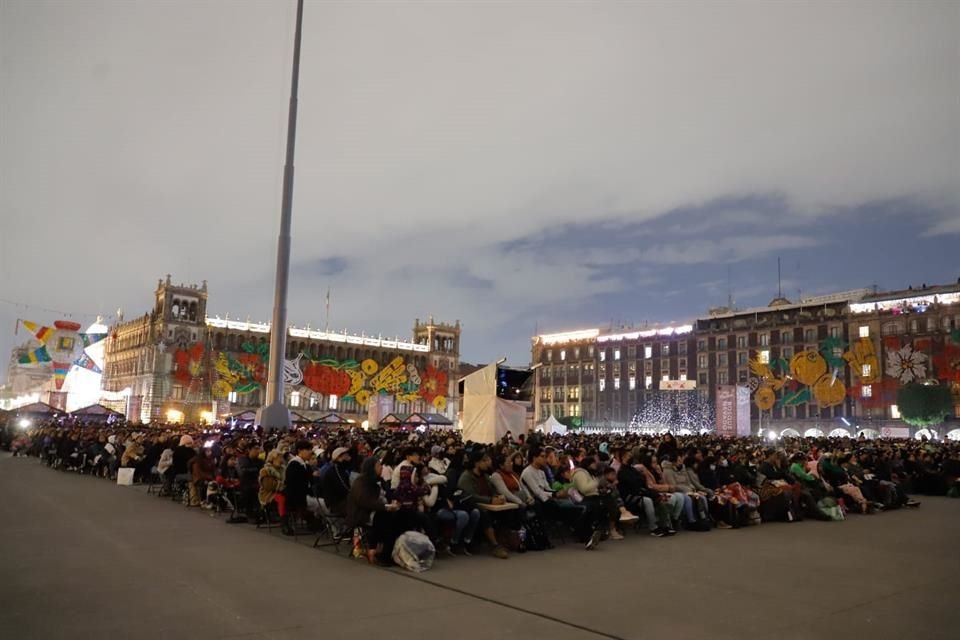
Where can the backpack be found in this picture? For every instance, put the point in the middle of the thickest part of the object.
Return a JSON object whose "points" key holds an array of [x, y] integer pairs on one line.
{"points": [[414, 552], [536, 536]]}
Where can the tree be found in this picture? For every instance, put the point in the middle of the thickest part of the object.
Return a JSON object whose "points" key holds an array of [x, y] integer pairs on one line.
{"points": [[924, 405]]}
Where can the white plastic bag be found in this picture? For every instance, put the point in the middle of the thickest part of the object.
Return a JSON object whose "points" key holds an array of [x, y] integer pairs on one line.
{"points": [[414, 552], [125, 476]]}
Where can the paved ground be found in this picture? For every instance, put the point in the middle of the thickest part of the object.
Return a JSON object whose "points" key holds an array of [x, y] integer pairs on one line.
{"points": [[80, 556]]}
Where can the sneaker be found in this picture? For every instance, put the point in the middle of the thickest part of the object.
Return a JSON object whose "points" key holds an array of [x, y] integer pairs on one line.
{"points": [[616, 535], [659, 532], [723, 525], [594, 540], [626, 516], [670, 531], [913, 503], [500, 552]]}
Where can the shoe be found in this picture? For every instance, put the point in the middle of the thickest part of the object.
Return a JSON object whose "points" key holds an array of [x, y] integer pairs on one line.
{"points": [[670, 531], [616, 535], [913, 503], [500, 552], [594, 540], [659, 532], [626, 516], [723, 525]]}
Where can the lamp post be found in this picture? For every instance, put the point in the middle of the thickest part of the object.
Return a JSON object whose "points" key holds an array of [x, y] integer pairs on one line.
{"points": [[274, 414]]}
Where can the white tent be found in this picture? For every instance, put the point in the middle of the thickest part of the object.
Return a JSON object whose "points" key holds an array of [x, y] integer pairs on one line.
{"points": [[487, 417], [551, 426]]}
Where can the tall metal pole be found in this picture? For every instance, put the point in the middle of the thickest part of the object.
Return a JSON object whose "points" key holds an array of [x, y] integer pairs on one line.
{"points": [[274, 414]]}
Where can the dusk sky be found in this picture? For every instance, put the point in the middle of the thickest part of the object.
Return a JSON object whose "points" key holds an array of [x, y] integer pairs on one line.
{"points": [[509, 164]]}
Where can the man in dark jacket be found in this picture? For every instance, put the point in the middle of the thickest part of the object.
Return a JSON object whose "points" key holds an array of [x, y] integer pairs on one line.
{"points": [[335, 483], [248, 470], [639, 499], [296, 484]]}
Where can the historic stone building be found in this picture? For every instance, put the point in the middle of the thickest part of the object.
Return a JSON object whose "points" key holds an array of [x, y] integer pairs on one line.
{"points": [[180, 364], [819, 365]]}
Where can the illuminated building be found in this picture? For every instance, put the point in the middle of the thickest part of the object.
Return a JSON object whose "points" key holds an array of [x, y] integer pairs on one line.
{"points": [[181, 365]]}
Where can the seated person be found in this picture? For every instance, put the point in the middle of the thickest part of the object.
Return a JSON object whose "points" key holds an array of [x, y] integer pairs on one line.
{"points": [[368, 507], [476, 488], [335, 483]]}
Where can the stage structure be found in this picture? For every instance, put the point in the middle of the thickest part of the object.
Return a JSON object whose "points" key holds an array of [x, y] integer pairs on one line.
{"points": [[495, 400]]}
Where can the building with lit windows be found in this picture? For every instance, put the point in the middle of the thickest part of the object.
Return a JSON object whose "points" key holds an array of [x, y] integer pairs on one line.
{"points": [[178, 364], [821, 365]]}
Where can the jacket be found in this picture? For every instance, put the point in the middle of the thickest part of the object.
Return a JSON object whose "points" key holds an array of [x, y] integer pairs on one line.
{"points": [[675, 478], [271, 483], [521, 497], [475, 487], [296, 484], [584, 482], [652, 483], [364, 499], [535, 482], [335, 487]]}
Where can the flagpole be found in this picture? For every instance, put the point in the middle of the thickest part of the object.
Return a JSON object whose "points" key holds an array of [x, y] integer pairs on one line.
{"points": [[326, 326], [274, 414]]}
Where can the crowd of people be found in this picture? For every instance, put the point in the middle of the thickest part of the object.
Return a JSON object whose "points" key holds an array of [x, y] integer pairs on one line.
{"points": [[521, 494]]}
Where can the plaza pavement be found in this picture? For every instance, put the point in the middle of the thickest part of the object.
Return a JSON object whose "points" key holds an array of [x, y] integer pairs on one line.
{"points": [[81, 557]]}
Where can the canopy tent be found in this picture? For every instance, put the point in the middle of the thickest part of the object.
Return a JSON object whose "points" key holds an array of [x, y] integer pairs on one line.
{"points": [[299, 418], [486, 415], [244, 416], [416, 420], [333, 418], [551, 426], [38, 409], [98, 413]]}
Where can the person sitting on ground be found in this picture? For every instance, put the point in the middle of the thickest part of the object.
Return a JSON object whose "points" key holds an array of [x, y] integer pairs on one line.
{"points": [[476, 488]]}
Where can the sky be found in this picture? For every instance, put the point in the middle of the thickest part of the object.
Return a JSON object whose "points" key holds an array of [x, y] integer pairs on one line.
{"points": [[517, 166]]}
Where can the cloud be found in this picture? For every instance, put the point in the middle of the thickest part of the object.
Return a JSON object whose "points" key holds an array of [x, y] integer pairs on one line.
{"points": [[493, 162]]}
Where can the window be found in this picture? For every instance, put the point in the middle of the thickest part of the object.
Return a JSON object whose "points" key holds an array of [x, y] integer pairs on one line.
{"points": [[742, 375], [683, 377], [722, 377], [764, 339], [573, 393], [891, 329], [631, 352], [603, 384], [721, 359], [648, 382], [603, 355], [332, 403], [786, 337], [721, 343], [682, 348], [589, 352], [866, 391], [864, 331], [665, 377], [810, 336], [835, 332], [666, 349], [563, 355], [616, 384], [742, 358], [788, 352], [616, 354], [741, 342], [549, 355], [764, 356], [576, 353], [702, 361], [232, 396], [633, 382], [701, 345], [703, 378], [647, 351], [295, 399], [894, 412], [867, 371]]}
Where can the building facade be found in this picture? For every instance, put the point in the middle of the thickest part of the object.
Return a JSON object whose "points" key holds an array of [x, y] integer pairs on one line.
{"points": [[181, 365], [826, 363]]}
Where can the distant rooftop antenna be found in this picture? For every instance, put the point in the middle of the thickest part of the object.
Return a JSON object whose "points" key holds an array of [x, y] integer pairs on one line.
{"points": [[779, 282], [729, 289]]}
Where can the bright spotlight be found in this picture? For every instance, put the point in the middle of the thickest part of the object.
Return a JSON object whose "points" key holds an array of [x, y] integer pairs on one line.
{"points": [[24, 423]]}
